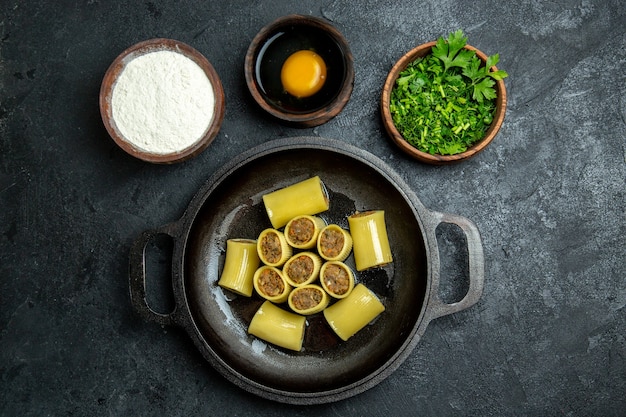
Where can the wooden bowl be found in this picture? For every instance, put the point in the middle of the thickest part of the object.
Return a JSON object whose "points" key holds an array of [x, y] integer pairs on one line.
{"points": [[404, 145], [274, 44], [194, 146]]}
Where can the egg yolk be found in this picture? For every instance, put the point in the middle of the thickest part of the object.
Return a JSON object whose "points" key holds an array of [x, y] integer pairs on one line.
{"points": [[303, 73]]}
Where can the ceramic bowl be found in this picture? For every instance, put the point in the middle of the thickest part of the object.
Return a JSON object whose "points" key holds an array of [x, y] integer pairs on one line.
{"points": [[405, 146], [269, 49], [190, 148]]}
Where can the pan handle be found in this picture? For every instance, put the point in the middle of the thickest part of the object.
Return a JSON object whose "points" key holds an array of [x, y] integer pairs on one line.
{"points": [[137, 275], [436, 306]]}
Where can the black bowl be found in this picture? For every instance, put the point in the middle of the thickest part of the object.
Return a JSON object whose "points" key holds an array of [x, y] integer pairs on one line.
{"points": [[274, 44]]}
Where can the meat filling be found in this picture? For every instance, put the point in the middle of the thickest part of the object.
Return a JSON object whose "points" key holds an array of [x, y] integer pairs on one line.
{"points": [[300, 269], [270, 283], [306, 298], [331, 243], [336, 279], [301, 231], [270, 248]]}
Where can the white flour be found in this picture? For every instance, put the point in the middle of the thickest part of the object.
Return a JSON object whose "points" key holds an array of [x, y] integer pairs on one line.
{"points": [[162, 102]]}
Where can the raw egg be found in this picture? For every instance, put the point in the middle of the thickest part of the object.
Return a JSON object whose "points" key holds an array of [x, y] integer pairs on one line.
{"points": [[303, 73], [266, 60]]}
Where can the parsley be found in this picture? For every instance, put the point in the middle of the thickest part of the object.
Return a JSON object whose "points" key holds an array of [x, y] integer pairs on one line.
{"points": [[444, 102]]}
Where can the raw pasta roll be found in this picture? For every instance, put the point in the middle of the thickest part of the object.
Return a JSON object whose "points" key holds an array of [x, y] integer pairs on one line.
{"points": [[302, 268], [334, 243], [242, 260], [277, 326], [349, 315], [308, 299], [270, 284], [371, 244], [273, 248], [337, 279], [305, 197], [301, 232]]}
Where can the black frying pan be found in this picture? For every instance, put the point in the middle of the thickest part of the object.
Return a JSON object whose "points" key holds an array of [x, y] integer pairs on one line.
{"points": [[229, 205]]}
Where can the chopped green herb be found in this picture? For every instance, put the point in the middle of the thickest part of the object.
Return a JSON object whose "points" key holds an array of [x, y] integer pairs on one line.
{"points": [[444, 102]]}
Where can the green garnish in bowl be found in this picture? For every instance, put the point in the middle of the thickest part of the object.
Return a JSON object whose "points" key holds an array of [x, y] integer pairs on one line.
{"points": [[444, 102]]}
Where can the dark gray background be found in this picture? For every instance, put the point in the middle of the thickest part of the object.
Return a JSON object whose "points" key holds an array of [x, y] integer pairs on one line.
{"points": [[546, 338]]}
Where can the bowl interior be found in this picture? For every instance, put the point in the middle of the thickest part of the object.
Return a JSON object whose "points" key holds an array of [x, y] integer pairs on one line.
{"points": [[405, 146], [274, 44], [109, 82], [326, 364]]}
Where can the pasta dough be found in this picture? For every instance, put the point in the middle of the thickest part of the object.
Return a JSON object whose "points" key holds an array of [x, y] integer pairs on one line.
{"points": [[369, 235], [305, 197], [241, 262], [349, 315], [277, 326]]}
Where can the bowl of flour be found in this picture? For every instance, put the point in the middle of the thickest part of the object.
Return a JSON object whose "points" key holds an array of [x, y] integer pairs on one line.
{"points": [[162, 101]]}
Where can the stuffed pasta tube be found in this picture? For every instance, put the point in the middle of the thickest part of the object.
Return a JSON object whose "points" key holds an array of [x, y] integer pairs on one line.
{"points": [[273, 248], [301, 232], [337, 279], [302, 268], [308, 299], [270, 284], [334, 243]]}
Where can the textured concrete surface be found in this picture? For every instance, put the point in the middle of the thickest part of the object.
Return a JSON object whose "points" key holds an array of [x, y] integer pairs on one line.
{"points": [[546, 338]]}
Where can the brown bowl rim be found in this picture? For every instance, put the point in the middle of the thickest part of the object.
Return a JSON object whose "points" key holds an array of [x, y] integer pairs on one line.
{"points": [[398, 139], [317, 117], [142, 48]]}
